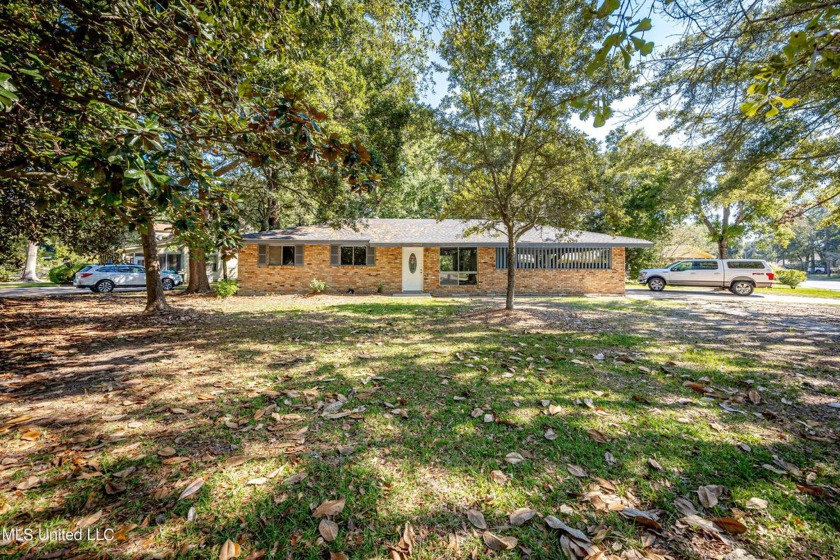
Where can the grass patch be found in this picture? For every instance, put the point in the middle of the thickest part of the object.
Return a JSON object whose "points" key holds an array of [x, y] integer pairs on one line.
{"points": [[10, 285]]}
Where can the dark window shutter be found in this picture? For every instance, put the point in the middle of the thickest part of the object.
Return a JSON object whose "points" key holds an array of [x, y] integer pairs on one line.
{"points": [[298, 255], [371, 256], [262, 258], [335, 255]]}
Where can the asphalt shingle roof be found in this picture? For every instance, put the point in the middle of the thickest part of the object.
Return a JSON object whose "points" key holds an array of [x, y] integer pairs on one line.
{"points": [[427, 232]]}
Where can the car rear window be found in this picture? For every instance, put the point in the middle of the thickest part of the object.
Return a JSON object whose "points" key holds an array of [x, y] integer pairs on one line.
{"points": [[86, 268], [745, 264]]}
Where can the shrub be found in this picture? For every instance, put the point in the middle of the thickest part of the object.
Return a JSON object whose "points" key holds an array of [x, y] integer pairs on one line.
{"points": [[317, 286], [790, 277], [226, 288], [63, 273], [380, 287]]}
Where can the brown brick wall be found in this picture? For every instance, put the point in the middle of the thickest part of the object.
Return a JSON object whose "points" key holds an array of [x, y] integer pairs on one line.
{"points": [[388, 272]]}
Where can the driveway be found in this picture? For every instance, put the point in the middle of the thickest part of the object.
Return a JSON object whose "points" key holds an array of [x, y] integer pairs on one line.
{"points": [[725, 296]]}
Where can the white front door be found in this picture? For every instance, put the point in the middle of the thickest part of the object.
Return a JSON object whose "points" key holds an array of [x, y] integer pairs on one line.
{"points": [[412, 269]]}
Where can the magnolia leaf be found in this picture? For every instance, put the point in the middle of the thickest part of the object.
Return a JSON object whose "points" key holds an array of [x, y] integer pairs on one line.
{"points": [[514, 458], [709, 494], [521, 516], [499, 543], [576, 534], [756, 503], [685, 506], [575, 470], [192, 488], [329, 508], [338, 556], [550, 434], [498, 477], [477, 519], [328, 529], [598, 436], [229, 550], [89, 520], [730, 525], [642, 518]]}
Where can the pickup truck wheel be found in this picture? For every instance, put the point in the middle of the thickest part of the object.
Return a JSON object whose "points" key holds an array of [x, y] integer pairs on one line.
{"points": [[656, 284], [104, 286], [742, 288]]}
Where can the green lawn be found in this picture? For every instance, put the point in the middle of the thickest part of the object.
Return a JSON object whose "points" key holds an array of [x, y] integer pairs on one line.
{"points": [[405, 409]]}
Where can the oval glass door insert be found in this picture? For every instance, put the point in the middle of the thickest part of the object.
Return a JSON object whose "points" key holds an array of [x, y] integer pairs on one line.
{"points": [[412, 263]]}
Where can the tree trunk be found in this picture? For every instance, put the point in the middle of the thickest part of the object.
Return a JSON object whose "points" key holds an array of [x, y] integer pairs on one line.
{"points": [[723, 248], [30, 274], [155, 297], [198, 283], [511, 271]]}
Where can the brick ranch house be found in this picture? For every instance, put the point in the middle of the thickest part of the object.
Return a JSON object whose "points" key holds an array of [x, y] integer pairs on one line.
{"points": [[415, 256]]}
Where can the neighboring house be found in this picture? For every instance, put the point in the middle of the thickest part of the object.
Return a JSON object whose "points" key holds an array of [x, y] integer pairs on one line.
{"points": [[413, 256], [173, 256]]}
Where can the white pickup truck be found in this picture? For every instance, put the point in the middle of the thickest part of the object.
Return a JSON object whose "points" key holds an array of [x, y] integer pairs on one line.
{"points": [[740, 276]]}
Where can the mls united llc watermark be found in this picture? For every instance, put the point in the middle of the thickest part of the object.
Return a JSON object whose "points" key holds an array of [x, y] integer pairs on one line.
{"points": [[54, 535]]}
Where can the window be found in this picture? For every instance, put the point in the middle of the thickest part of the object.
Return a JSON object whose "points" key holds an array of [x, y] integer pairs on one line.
{"points": [[458, 266], [705, 265], [280, 255], [681, 266], [557, 258], [170, 261], [352, 255], [745, 264]]}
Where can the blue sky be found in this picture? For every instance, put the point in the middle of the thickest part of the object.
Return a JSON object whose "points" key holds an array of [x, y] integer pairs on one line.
{"points": [[664, 33]]}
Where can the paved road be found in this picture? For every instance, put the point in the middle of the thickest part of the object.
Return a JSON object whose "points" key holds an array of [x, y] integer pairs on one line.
{"points": [[50, 291], [824, 284]]}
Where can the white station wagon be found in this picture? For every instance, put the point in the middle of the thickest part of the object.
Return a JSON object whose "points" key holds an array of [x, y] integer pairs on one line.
{"points": [[103, 278], [740, 276]]}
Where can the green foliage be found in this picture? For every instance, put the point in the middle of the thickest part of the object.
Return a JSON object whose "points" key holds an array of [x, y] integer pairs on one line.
{"points": [[63, 273], [790, 277], [226, 288], [317, 286]]}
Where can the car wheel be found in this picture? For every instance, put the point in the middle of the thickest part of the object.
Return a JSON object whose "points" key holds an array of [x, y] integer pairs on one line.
{"points": [[656, 284], [104, 286], [742, 288], [168, 284]]}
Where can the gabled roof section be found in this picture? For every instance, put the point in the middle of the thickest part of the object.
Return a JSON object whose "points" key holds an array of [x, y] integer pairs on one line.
{"points": [[427, 232]]}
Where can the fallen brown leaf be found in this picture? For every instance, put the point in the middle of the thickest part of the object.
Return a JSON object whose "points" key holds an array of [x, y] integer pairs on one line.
{"points": [[521, 516], [499, 543], [730, 525], [192, 488], [476, 518], [328, 529], [709, 494], [329, 508], [229, 550]]}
